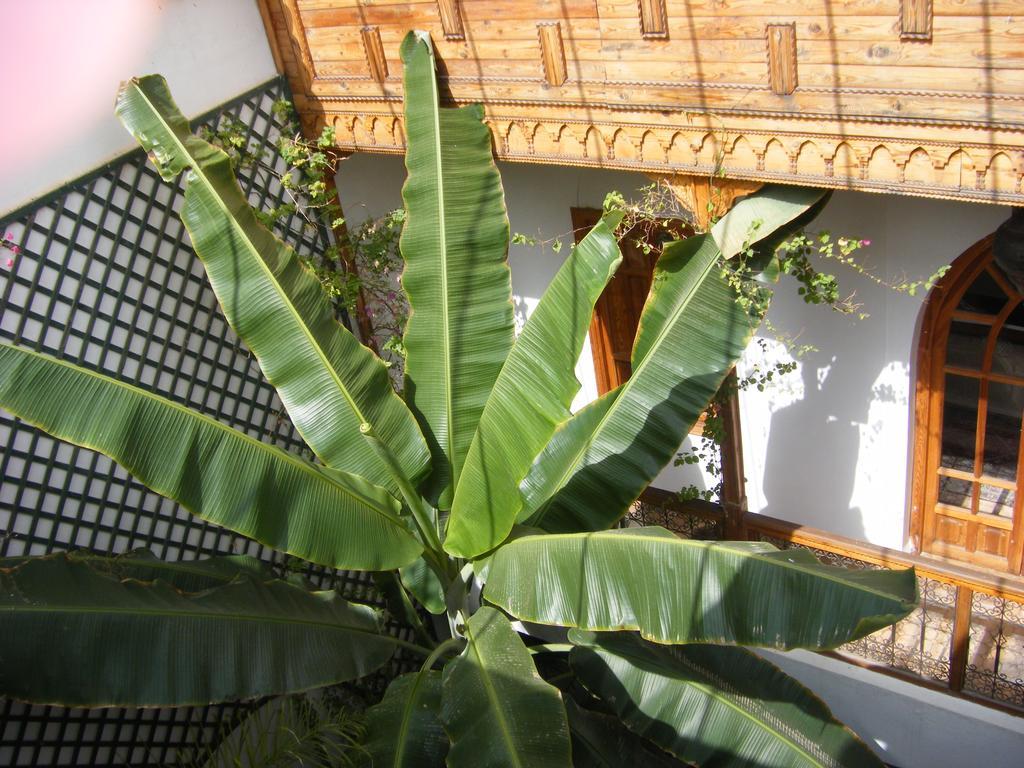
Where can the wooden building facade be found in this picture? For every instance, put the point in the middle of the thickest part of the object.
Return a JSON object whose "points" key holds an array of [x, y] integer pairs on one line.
{"points": [[919, 97]]}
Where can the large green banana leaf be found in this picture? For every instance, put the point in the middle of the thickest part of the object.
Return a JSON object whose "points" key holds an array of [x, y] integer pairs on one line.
{"points": [[78, 637], [763, 259], [404, 731], [423, 583], [682, 591], [712, 705], [329, 382], [454, 244], [758, 216], [216, 472], [143, 565], [691, 333], [531, 396], [602, 741], [496, 709]]}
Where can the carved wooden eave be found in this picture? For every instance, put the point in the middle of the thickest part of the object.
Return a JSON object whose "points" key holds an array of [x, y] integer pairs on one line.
{"points": [[917, 97]]}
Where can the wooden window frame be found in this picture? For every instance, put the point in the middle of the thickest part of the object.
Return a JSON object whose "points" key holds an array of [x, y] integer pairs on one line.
{"points": [[928, 413]]}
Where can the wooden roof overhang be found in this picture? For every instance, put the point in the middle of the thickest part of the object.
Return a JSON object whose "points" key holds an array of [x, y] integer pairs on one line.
{"points": [[918, 97]]}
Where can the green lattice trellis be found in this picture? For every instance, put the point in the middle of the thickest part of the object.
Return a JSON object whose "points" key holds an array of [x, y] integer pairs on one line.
{"points": [[106, 278]]}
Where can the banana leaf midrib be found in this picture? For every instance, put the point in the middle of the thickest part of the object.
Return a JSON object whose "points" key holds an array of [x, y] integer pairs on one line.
{"points": [[156, 565], [407, 712], [233, 617], [595, 749], [621, 393], [194, 166], [278, 453], [781, 733], [443, 241], [676, 541], [492, 695]]}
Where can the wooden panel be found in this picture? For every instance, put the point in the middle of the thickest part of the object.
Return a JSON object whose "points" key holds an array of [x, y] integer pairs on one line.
{"points": [[952, 533], [865, 110], [451, 19], [552, 52], [349, 12], [781, 40], [916, 19], [374, 51], [653, 19], [627, 8]]}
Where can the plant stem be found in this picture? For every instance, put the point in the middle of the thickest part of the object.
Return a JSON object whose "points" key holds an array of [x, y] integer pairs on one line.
{"points": [[418, 649], [551, 648], [447, 645], [389, 584], [420, 516]]}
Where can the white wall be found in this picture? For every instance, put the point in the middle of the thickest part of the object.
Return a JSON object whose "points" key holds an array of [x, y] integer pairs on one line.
{"points": [[908, 725], [828, 445], [62, 60]]}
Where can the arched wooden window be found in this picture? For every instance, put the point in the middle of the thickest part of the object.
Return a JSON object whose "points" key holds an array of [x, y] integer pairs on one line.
{"points": [[970, 397]]}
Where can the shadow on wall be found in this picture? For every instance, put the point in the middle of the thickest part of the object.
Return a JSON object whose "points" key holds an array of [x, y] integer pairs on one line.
{"points": [[815, 443]]}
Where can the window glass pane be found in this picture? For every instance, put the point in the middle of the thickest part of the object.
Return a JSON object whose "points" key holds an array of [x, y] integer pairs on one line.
{"points": [[1016, 318], [996, 501], [984, 295], [1009, 353], [959, 422], [1002, 430], [955, 492], [966, 346]]}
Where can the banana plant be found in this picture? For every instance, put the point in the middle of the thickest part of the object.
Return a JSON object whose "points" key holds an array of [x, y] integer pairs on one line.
{"points": [[479, 478]]}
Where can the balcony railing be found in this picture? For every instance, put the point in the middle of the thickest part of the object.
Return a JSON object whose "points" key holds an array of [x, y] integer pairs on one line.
{"points": [[965, 637]]}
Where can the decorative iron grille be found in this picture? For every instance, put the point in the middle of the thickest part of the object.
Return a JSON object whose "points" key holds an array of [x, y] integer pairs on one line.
{"points": [[106, 278], [921, 645]]}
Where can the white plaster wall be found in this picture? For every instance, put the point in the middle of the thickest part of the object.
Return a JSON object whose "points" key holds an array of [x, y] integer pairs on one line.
{"points": [[62, 60], [908, 725], [828, 445]]}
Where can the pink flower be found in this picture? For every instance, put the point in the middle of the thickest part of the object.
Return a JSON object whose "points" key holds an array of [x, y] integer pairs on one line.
{"points": [[15, 250], [8, 236], [10, 263], [865, 243]]}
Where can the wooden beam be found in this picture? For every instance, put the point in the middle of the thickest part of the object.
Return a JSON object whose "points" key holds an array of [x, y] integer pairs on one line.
{"points": [[916, 20], [374, 49], [271, 32], [961, 637], [706, 197], [552, 52], [451, 19], [306, 72], [781, 57]]}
